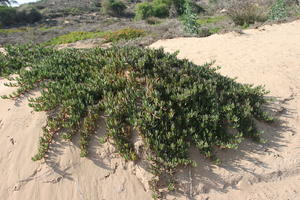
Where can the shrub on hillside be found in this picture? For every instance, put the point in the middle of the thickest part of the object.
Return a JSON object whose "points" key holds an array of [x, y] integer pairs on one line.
{"points": [[113, 7], [31, 15], [278, 10], [190, 19], [157, 8], [245, 12], [11, 16], [7, 15]]}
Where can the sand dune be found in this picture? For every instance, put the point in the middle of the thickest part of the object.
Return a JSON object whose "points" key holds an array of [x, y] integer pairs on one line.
{"points": [[269, 55]]}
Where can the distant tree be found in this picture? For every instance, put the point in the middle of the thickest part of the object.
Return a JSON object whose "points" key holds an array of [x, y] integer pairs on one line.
{"points": [[7, 2]]}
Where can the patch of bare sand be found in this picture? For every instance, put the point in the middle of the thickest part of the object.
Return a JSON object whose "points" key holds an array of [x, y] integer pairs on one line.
{"points": [[64, 175], [267, 56]]}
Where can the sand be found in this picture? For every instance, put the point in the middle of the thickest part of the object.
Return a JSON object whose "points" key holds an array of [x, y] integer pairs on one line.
{"points": [[269, 55]]}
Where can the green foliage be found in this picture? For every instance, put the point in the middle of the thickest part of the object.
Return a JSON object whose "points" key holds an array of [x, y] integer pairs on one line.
{"points": [[246, 12], [211, 20], [11, 16], [7, 15], [73, 37], [278, 10], [156, 8], [124, 34], [113, 7], [173, 104], [30, 16], [190, 19]]}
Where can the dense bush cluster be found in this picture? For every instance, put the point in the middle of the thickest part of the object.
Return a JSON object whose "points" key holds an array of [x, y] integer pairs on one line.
{"points": [[278, 10], [246, 12], [190, 19], [113, 7], [156, 8], [163, 8], [11, 16], [173, 104]]}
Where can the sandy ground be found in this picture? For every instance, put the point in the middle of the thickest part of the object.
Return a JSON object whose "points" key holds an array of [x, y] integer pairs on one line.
{"points": [[268, 55]]}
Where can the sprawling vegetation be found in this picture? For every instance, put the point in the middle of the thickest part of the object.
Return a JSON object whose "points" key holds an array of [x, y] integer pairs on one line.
{"points": [[113, 7], [190, 19], [156, 8], [173, 104], [115, 36], [278, 10], [73, 37]]}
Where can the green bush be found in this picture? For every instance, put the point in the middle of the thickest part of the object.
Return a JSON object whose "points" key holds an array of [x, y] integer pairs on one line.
{"points": [[190, 19], [246, 12], [113, 7], [143, 10], [172, 104], [31, 15], [278, 10], [179, 6], [157, 8], [7, 15], [11, 16]]}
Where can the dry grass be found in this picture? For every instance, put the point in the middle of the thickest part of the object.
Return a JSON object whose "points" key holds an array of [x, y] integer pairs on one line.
{"points": [[246, 12]]}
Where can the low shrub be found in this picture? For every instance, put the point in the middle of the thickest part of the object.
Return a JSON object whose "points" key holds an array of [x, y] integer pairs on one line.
{"points": [[113, 7], [124, 34], [11, 16], [30, 15], [7, 16], [278, 10], [157, 8], [246, 12], [172, 104], [190, 19], [74, 37]]}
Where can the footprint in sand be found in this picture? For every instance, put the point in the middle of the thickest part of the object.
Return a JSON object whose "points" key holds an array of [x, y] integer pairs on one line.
{"points": [[1, 124]]}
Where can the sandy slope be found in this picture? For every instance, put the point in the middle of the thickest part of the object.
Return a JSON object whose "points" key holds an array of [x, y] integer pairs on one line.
{"points": [[64, 175], [270, 56]]}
